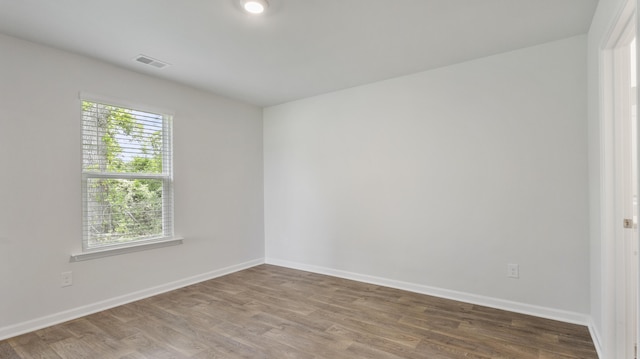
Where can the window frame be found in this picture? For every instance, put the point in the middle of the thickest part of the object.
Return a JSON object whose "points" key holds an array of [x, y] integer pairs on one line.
{"points": [[167, 238]]}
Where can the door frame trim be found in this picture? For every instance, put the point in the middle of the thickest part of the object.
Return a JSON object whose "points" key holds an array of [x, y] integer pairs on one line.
{"points": [[613, 271]]}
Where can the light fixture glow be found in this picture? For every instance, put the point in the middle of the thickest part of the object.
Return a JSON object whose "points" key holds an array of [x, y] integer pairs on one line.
{"points": [[255, 6]]}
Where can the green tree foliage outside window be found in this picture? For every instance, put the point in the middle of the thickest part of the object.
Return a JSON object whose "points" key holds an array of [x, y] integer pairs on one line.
{"points": [[123, 153]]}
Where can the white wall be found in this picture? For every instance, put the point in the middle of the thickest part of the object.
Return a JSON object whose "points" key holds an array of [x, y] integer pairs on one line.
{"points": [[442, 178], [602, 283], [218, 186]]}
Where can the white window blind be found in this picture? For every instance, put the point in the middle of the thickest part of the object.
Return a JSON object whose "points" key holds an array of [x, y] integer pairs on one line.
{"points": [[127, 182]]}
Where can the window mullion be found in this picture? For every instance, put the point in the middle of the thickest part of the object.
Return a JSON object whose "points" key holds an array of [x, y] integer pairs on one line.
{"points": [[124, 175]]}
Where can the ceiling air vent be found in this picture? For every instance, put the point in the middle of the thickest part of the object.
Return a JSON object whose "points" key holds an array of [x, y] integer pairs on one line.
{"points": [[151, 61]]}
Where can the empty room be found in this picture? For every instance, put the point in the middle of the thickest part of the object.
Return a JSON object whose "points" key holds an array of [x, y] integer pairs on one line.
{"points": [[318, 179]]}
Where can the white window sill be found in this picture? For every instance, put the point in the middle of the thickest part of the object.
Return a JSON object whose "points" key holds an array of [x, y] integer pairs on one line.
{"points": [[114, 251]]}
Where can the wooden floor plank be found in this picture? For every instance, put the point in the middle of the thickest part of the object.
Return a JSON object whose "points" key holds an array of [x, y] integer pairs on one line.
{"points": [[7, 352], [275, 312]]}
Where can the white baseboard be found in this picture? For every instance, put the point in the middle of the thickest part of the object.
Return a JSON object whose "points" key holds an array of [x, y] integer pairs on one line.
{"points": [[53, 319], [538, 311], [596, 338]]}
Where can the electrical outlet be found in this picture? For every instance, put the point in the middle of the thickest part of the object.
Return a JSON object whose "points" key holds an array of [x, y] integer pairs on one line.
{"points": [[67, 279], [513, 271]]}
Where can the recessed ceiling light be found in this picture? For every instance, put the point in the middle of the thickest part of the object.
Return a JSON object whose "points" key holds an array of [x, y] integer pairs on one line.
{"points": [[254, 6]]}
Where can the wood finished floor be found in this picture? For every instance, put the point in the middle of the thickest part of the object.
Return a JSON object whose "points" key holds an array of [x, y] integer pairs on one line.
{"points": [[274, 312]]}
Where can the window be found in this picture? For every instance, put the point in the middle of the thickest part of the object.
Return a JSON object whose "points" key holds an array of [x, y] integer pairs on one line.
{"points": [[127, 184]]}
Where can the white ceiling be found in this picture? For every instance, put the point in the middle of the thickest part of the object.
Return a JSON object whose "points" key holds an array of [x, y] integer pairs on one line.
{"points": [[299, 48]]}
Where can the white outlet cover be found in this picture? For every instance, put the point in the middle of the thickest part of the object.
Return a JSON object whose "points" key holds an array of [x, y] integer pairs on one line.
{"points": [[67, 279]]}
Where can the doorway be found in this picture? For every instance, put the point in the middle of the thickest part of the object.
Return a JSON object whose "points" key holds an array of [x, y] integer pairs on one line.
{"points": [[625, 121], [621, 98]]}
